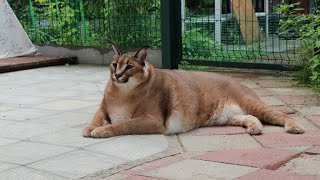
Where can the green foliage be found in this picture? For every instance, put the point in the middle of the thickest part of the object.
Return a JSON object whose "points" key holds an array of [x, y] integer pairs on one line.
{"points": [[197, 42], [129, 23], [307, 28], [133, 24], [55, 23]]}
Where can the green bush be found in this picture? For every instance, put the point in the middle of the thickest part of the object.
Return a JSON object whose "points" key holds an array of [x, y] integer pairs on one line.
{"points": [[198, 43], [307, 29]]}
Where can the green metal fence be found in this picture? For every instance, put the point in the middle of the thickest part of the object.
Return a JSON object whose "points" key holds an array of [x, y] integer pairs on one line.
{"points": [[217, 33], [130, 23], [214, 32]]}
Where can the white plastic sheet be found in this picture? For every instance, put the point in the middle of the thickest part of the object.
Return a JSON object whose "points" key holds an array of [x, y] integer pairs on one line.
{"points": [[14, 41]]}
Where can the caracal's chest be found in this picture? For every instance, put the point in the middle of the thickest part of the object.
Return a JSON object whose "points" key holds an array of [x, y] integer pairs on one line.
{"points": [[118, 112]]}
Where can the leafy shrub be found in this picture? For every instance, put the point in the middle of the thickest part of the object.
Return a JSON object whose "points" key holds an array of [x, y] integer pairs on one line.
{"points": [[198, 43], [307, 29]]}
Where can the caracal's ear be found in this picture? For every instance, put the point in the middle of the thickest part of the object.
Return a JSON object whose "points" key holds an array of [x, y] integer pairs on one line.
{"points": [[115, 49], [141, 54]]}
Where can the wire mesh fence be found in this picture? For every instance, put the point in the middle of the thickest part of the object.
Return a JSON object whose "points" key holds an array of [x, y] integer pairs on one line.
{"points": [[212, 30], [130, 23], [237, 31]]}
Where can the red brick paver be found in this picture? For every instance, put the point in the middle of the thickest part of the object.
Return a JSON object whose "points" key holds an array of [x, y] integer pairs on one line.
{"points": [[142, 178], [262, 92], [296, 100], [285, 139], [314, 119], [261, 158], [154, 164], [269, 83], [265, 174], [222, 130], [315, 150]]}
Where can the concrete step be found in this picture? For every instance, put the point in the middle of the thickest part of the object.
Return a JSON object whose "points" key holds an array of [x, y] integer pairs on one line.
{"points": [[29, 62]]}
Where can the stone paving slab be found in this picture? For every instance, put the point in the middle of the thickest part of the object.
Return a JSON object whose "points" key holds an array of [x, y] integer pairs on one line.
{"points": [[23, 173], [130, 147], [5, 141], [154, 164], [249, 83], [6, 166], [218, 142], [66, 105], [76, 164], [197, 169], [308, 110], [303, 165], [265, 174], [28, 152], [23, 114], [27, 101], [65, 119], [272, 101], [26, 130], [70, 137], [308, 126], [262, 92]]}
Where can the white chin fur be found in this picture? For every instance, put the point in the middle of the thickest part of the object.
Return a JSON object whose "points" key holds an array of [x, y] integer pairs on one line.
{"points": [[126, 87]]}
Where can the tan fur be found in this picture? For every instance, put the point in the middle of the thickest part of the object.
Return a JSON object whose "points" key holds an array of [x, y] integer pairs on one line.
{"points": [[146, 100]]}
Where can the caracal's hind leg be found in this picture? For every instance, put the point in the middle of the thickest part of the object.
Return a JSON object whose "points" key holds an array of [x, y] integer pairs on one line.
{"points": [[271, 116], [251, 123]]}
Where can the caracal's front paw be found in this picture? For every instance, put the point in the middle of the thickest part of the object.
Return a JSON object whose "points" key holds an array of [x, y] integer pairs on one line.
{"points": [[294, 129], [87, 131], [102, 132], [254, 129]]}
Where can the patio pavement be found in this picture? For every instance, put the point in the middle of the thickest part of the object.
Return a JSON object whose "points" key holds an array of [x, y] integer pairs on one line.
{"points": [[43, 111]]}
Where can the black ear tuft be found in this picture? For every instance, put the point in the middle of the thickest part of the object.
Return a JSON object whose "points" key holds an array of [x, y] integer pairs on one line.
{"points": [[141, 54], [115, 49]]}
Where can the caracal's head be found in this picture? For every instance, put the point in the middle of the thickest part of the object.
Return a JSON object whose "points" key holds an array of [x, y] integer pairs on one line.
{"points": [[127, 70]]}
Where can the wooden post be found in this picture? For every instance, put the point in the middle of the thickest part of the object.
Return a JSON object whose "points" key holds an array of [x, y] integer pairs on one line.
{"points": [[248, 20]]}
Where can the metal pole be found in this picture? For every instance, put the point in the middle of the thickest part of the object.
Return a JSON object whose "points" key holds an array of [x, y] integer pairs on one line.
{"points": [[57, 8], [183, 11], [84, 24], [267, 18], [217, 21], [171, 33], [33, 21]]}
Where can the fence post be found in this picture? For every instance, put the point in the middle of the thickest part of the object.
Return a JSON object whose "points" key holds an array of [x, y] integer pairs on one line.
{"points": [[171, 33]]}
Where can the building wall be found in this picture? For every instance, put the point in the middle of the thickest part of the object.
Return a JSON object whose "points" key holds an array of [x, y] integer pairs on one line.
{"points": [[91, 55]]}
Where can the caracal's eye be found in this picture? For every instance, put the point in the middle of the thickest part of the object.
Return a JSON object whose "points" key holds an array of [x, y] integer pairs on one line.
{"points": [[129, 66], [114, 65]]}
